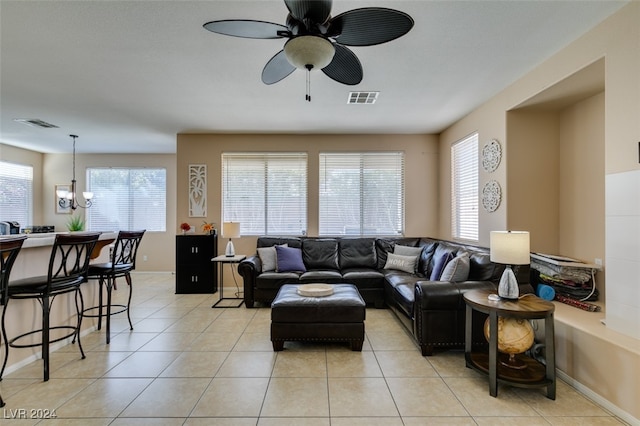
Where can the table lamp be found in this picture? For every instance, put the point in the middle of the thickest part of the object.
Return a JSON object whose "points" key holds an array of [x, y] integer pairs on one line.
{"points": [[230, 230], [509, 248]]}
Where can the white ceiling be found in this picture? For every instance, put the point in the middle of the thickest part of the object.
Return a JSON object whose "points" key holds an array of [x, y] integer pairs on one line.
{"points": [[127, 76]]}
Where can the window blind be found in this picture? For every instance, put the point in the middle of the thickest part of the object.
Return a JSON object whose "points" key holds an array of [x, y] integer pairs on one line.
{"points": [[16, 193], [265, 192], [361, 193], [127, 199], [464, 187]]}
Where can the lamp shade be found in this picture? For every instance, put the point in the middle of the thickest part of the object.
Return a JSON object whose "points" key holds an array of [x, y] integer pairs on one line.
{"points": [[231, 229], [309, 50], [510, 247]]}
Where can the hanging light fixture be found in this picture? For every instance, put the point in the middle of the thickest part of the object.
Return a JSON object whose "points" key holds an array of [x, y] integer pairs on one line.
{"points": [[309, 52], [67, 199]]}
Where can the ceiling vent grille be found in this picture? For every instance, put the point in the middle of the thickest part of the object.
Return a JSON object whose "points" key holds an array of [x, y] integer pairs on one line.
{"points": [[36, 122], [362, 97]]}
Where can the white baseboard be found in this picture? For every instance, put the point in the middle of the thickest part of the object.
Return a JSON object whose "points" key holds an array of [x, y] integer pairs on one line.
{"points": [[598, 399]]}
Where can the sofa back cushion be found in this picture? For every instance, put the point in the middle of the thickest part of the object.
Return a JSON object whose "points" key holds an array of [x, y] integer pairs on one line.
{"points": [[481, 267], [276, 241], [428, 249], [357, 253], [320, 253]]}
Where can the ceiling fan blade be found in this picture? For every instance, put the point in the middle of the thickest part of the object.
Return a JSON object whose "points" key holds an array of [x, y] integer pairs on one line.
{"points": [[317, 11], [345, 67], [277, 68], [247, 28], [369, 26]]}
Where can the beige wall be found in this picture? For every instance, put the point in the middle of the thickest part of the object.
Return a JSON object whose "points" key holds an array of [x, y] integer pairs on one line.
{"points": [[581, 170], [158, 247], [584, 158], [421, 163], [533, 175], [27, 158]]}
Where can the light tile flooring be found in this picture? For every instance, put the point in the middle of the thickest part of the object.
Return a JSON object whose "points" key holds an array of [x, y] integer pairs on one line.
{"points": [[186, 363]]}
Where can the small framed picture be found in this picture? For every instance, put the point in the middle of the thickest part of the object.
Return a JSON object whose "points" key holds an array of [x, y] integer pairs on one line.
{"points": [[60, 209]]}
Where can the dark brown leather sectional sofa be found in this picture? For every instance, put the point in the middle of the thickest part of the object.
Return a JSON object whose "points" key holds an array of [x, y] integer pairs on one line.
{"points": [[432, 311]]}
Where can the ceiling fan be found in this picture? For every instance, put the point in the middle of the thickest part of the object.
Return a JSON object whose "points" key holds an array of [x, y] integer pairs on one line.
{"points": [[318, 41]]}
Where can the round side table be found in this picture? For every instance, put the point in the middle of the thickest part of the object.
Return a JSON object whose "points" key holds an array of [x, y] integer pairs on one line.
{"points": [[528, 307]]}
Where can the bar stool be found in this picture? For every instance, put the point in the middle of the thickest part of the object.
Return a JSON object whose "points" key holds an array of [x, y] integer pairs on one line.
{"points": [[68, 266], [122, 262], [9, 249]]}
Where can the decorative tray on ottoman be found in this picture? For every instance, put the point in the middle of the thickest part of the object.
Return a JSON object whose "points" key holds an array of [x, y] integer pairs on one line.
{"points": [[315, 290]]}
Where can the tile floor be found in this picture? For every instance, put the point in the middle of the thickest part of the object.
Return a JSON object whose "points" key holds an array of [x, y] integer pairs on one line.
{"points": [[188, 364]]}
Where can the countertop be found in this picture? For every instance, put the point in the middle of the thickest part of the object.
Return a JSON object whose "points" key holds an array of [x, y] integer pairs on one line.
{"points": [[46, 239]]}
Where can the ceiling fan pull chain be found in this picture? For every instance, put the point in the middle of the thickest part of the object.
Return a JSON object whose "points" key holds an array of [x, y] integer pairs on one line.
{"points": [[308, 67]]}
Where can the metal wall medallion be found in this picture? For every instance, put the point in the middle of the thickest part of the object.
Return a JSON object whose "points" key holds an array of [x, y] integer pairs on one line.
{"points": [[491, 196], [491, 155]]}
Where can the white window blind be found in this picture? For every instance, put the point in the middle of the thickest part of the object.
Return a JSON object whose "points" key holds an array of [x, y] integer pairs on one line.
{"points": [[265, 192], [16, 193], [464, 187], [127, 199], [361, 193]]}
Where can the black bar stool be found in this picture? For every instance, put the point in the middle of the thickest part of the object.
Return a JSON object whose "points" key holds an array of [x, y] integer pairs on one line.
{"points": [[9, 249], [122, 262], [68, 266]]}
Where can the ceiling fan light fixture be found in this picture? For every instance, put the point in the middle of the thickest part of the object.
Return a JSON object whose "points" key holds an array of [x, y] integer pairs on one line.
{"points": [[309, 50]]}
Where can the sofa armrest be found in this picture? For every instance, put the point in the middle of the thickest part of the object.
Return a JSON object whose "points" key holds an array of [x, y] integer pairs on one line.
{"points": [[249, 269], [444, 295]]}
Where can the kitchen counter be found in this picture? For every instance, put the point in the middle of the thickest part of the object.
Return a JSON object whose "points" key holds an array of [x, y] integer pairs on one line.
{"points": [[33, 260]]}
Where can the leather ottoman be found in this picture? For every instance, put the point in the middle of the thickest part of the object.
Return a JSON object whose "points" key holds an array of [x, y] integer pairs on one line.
{"points": [[337, 317]]}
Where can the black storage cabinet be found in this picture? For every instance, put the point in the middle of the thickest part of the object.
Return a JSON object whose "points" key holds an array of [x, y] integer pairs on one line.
{"points": [[195, 273]]}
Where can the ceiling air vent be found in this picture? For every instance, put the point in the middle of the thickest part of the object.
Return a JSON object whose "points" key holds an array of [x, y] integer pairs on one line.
{"points": [[35, 122], [362, 97]]}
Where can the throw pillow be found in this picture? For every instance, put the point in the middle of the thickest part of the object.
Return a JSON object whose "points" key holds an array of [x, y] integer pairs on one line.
{"points": [[408, 251], [401, 263], [457, 269], [289, 259], [268, 258], [438, 267]]}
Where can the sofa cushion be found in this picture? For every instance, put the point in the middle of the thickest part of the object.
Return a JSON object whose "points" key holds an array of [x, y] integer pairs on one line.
{"points": [[439, 265], [273, 241], [320, 253], [401, 263], [363, 277], [321, 276], [268, 258], [274, 280], [457, 269], [357, 253], [481, 267], [289, 259]]}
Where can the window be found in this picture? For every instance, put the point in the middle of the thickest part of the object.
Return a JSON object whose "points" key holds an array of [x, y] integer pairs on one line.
{"points": [[464, 188], [127, 199], [265, 192], [361, 193], [16, 193]]}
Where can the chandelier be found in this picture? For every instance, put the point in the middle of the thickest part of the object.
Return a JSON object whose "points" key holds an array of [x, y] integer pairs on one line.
{"points": [[67, 199]]}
